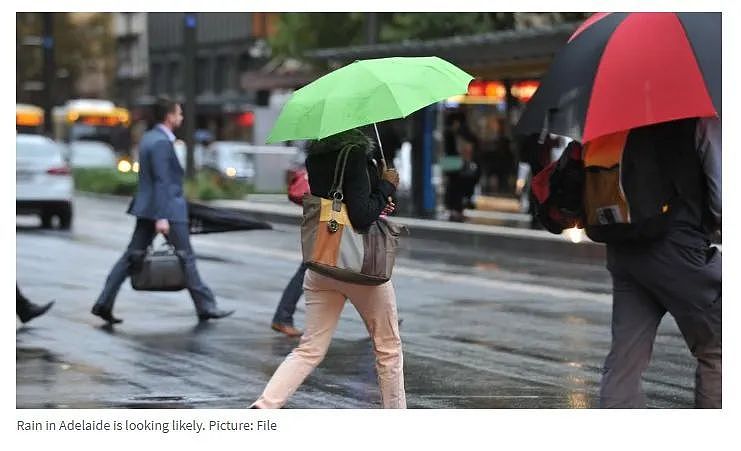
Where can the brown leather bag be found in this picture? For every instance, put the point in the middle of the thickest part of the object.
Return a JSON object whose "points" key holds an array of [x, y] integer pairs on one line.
{"points": [[332, 247]]}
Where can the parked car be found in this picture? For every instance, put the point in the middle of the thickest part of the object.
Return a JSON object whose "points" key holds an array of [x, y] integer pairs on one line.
{"points": [[43, 182], [181, 152], [231, 159], [91, 154]]}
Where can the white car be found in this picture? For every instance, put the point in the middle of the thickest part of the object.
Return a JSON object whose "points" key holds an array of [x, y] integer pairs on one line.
{"points": [[232, 159], [43, 181], [181, 152], [91, 154]]}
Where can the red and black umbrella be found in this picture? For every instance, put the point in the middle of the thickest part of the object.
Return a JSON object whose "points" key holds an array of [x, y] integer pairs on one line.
{"points": [[625, 70]]}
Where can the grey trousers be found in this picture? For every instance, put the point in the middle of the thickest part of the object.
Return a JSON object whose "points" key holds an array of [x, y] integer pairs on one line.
{"points": [[144, 233], [679, 276]]}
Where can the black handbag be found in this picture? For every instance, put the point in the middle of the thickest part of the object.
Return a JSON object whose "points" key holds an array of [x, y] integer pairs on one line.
{"points": [[158, 270]]}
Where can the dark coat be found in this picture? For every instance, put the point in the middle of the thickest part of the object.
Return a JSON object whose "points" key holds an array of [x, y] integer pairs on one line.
{"points": [[365, 193], [159, 193]]}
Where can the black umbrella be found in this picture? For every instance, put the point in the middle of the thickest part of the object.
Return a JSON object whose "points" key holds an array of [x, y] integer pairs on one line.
{"points": [[204, 219], [625, 70]]}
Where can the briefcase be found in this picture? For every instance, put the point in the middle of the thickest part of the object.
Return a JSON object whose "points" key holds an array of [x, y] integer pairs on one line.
{"points": [[158, 270]]}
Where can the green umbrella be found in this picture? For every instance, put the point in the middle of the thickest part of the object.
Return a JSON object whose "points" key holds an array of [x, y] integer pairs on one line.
{"points": [[366, 92]]}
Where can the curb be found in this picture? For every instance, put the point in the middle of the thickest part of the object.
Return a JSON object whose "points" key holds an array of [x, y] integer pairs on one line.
{"points": [[537, 243], [488, 238]]}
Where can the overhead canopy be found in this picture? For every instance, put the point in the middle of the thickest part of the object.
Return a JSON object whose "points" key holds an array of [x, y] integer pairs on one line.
{"points": [[499, 54]]}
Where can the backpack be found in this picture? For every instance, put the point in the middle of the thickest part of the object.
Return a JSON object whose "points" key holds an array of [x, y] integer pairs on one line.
{"points": [[556, 191], [629, 195], [618, 187]]}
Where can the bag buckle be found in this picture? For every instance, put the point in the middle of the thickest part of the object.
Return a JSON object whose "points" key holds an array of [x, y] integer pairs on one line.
{"points": [[337, 198]]}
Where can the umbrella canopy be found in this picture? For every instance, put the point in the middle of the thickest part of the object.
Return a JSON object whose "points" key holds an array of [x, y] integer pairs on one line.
{"points": [[366, 92], [204, 219], [626, 70]]}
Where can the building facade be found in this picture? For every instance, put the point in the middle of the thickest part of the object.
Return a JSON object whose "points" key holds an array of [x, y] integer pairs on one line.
{"points": [[132, 56], [228, 45]]}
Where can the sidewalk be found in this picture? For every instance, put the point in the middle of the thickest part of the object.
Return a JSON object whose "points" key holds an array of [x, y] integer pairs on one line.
{"points": [[538, 243]]}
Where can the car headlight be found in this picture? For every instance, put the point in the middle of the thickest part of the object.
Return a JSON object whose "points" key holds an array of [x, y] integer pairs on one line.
{"points": [[135, 167]]}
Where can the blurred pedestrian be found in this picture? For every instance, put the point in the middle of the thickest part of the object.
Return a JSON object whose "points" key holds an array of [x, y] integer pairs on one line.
{"points": [[460, 170], [27, 310], [504, 159], [676, 271], [160, 207], [366, 191], [298, 187]]}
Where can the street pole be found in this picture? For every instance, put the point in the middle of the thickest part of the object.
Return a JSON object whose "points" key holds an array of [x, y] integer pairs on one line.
{"points": [[189, 51], [49, 68], [423, 191], [371, 28]]}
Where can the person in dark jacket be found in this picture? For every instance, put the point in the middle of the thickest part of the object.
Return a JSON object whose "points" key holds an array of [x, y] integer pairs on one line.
{"points": [[367, 188], [283, 318], [160, 207], [678, 273]]}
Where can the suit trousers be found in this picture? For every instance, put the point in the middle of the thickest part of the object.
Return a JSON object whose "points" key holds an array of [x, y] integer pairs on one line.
{"points": [[681, 278], [325, 298], [144, 233]]}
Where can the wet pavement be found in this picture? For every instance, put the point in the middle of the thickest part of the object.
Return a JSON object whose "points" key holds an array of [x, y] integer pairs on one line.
{"points": [[481, 329]]}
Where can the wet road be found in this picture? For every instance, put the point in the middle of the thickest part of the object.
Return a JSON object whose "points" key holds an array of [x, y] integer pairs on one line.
{"points": [[481, 329]]}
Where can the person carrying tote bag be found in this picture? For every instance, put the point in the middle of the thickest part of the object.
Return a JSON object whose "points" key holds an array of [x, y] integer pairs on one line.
{"points": [[366, 190]]}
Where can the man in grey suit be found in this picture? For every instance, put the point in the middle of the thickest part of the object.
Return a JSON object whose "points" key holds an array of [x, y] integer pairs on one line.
{"points": [[160, 207]]}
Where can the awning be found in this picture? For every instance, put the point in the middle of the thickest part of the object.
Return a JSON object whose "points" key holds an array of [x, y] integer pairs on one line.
{"points": [[510, 53]]}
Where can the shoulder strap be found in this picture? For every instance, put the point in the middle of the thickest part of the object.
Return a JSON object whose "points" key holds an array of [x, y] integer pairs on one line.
{"points": [[339, 171]]}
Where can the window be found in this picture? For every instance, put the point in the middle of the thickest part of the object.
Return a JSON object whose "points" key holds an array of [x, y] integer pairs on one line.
{"points": [[221, 72], [202, 76], [175, 81], [153, 81]]}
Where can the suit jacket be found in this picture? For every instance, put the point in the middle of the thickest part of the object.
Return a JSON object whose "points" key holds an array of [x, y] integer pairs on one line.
{"points": [[159, 193]]}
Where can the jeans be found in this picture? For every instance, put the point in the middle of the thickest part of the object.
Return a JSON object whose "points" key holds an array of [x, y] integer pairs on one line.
{"points": [[291, 295]]}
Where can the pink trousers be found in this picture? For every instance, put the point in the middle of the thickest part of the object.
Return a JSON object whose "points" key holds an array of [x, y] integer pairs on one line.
{"points": [[325, 298]]}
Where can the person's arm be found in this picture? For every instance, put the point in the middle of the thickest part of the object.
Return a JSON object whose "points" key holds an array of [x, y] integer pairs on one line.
{"points": [[708, 144], [160, 161], [363, 205]]}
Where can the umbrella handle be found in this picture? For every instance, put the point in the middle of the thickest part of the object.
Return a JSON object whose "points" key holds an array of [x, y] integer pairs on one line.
{"points": [[546, 125], [380, 146]]}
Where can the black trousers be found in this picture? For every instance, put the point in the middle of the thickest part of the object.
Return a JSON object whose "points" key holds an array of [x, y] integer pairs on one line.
{"points": [[179, 237], [675, 276]]}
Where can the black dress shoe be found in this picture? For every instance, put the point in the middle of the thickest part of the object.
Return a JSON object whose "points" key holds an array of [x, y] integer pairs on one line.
{"points": [[214, 313], [106, 314], [32, 311]]}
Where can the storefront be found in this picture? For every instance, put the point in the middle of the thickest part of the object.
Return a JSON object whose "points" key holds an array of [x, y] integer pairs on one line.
{"points": [[507, 66]]}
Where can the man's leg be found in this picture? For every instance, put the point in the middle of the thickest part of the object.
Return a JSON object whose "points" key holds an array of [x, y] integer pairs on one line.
{"points": [[688, 282], [141, 238], [292, 293], [635, 319], [203, 297]]}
